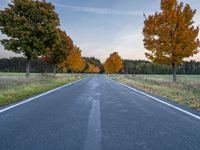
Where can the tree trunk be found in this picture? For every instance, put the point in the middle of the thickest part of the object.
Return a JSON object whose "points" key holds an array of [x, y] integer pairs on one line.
{"points": [[54, 69], [28, 67], [174, 72]]}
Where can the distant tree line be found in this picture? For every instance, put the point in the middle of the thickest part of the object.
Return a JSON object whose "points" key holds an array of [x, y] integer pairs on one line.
{"points": [[94, 61], [146, 67], [18, 64]]}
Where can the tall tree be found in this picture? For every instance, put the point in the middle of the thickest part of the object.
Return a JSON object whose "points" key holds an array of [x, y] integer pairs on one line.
{"points": [[170, 36], [60, 50], [30, 27], [113, 64]]}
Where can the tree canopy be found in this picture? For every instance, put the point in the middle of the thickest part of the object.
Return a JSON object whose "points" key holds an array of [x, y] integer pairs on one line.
{"points": [[60, 50]]}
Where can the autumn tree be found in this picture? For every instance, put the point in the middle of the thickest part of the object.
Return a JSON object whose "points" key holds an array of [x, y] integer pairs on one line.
{"points": [[30, 27], [60, 50], [90, 68], [113, 64], [170, 36], [96, 69], [96, 62], [74, 61]]}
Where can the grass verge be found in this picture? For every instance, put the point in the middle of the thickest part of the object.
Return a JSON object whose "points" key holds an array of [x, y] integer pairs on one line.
{"points": [[14, 89], [186, 91]]}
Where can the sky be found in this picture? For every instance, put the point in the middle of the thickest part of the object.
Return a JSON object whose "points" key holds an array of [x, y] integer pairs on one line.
{"points": [[100, 27]]}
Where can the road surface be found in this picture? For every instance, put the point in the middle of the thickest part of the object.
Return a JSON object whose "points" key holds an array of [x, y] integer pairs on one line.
{"points": [[97, 114]]}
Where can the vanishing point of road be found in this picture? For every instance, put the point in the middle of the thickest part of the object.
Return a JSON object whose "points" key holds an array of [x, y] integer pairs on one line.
{"points": [[97, 114]]}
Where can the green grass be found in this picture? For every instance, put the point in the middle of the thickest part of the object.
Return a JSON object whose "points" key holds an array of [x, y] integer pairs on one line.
{"points": [[186, 91], [15, 87]]}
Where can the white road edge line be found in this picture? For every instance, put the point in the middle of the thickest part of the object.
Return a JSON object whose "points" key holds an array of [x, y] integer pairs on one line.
{"points": [[158, 100], [35, 97]]}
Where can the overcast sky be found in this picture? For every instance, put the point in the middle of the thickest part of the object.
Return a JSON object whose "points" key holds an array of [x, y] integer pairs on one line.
{"points": [[100, 27]]}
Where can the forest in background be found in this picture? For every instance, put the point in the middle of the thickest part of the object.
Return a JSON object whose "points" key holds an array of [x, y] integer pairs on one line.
{"points": [[17, 64]]}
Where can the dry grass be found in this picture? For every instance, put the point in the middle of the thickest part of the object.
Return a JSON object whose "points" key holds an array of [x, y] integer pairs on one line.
{"points": [[185, 91], [15, 87]]}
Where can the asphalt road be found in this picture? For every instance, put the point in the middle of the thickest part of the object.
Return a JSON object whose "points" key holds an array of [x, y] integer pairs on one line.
{"points": [[97, 114]]}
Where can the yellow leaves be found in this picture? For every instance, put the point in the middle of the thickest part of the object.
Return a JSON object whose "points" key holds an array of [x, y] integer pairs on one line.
{"points": [[74, 61], [113, 64], [170, 36], [96, 69], [168, 5], [92, 68]]}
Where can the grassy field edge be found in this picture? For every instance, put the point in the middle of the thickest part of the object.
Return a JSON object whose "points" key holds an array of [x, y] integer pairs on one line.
{"points": [[35, 87], [182, 92]]}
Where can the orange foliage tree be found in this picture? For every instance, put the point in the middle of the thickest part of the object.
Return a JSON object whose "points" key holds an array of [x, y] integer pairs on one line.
{"points": [[113, 64], [92, 68], [74, 61], [170, 36]]}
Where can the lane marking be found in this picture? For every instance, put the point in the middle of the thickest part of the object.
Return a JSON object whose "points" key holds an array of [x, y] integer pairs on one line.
{"points": [[35, 97], [93, 138], [158, 100]]}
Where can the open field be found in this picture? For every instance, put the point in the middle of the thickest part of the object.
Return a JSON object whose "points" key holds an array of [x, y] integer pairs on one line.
{"points": [[15, 87], [185, 91], [10, 74], [168, 78]]}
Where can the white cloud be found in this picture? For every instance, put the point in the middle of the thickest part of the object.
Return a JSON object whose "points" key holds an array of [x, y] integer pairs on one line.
{"points": [[99, 11]]}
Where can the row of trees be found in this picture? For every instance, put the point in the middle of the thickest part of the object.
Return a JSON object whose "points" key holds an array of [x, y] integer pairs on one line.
{"points": [[32, 29], [18, 64], [76, 64]]}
